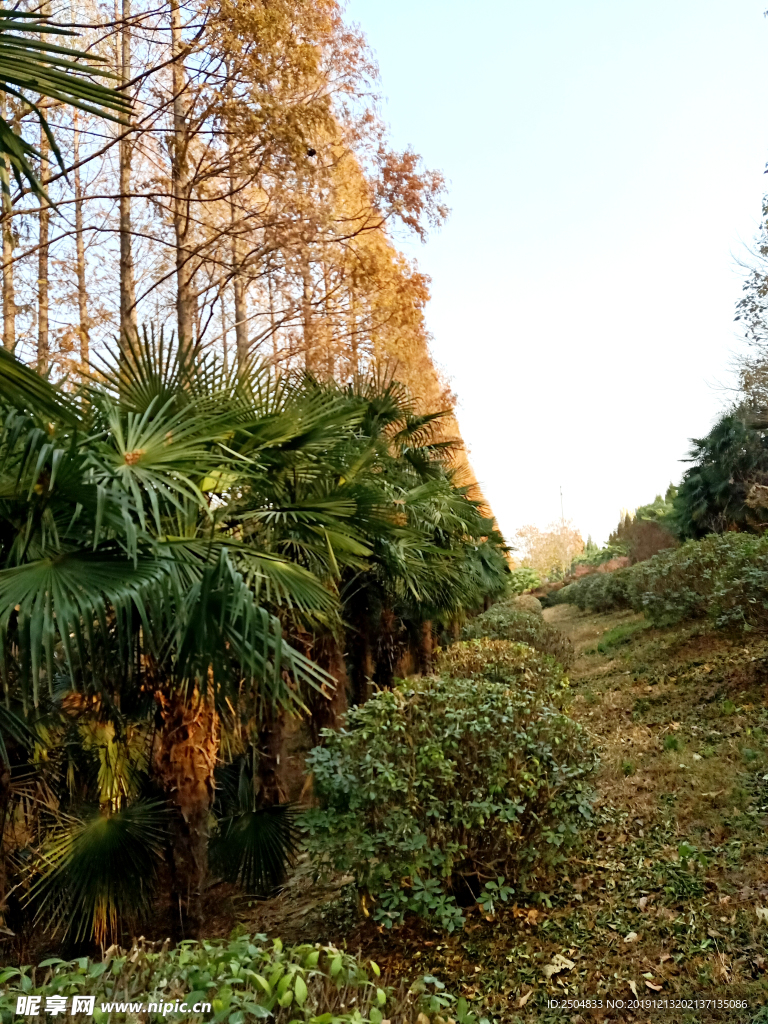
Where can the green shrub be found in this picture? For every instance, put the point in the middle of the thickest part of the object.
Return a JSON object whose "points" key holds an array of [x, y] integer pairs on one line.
{"points": [[723, 577], [522, 579], [504, 622], [554, 597], [427, 790], [501, 661], [601, 592], [243, 979]]}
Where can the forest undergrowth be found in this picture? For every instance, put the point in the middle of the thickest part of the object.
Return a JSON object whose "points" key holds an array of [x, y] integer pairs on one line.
{"points": [[665, 900]]}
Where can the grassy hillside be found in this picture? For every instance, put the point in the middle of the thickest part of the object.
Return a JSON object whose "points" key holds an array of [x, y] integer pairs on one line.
{"points": [[667, 898]]}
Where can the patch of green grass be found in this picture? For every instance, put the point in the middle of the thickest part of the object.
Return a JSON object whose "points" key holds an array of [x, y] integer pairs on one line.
{"points": [[641, 707], [620, 635]]}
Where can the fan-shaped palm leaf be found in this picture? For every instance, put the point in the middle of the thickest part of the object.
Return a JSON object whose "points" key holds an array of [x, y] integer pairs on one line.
{"points": [[255, 848], [96, 874]]}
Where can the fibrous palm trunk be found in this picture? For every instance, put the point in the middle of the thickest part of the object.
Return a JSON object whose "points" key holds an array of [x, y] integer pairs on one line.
{"points": [[426, 648], [363, 662], [271, 766], [184, 761], [330, 704]]}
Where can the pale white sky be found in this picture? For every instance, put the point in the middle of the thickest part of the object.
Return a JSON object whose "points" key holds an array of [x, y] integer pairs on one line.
{"points": [[605, 162]]}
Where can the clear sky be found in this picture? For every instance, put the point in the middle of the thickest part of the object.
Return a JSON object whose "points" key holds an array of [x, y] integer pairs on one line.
{"points": [[606, 168]]}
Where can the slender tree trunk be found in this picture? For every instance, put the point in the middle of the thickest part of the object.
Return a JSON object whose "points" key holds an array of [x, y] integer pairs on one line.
{"points": [[44, 223], [306, 311], [82, 293], [127, 273], [9, 292], [272, 324], [224, 333], [354, 357], [184, 761], [241, 307], [185, 297]]}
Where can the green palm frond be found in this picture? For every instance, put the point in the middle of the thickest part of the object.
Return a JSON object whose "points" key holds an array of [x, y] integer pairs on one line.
{"points": [[95, 875], [33, 65], [22, 388], [73, 599]]}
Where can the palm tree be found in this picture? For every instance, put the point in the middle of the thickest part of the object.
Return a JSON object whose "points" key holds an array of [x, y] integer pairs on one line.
{"points": [[120, 575], [182, 552]]}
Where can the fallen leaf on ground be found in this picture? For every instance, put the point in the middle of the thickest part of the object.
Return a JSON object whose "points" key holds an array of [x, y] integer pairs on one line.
{"points": [[631, 937], [559, 963], [656, 988], [524, 999]]}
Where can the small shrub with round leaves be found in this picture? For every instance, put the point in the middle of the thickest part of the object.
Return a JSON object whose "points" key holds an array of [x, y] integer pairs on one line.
{"points": [[428, 791], [505, 622]]}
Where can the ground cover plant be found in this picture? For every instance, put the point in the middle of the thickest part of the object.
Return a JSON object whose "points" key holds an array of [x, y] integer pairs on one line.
{"points": [[243, 978]]}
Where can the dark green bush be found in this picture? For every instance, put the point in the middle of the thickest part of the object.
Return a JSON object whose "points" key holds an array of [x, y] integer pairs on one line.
{"points": [[723, 577], [427, 790], [601, 592], [505, 622]]}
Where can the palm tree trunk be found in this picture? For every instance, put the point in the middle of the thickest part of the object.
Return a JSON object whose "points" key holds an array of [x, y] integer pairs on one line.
{"points": [[426, 648], [363, 662], [184, 761], [5, 796], [329, 706], [271, 767]]}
